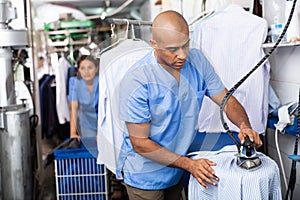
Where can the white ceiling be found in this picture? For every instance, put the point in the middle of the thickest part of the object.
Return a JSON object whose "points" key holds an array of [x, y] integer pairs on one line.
{"points": [[91, 7], [95, 3]]}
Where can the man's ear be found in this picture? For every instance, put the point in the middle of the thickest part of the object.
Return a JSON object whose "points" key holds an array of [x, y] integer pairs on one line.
{"points": [[153, 43]]}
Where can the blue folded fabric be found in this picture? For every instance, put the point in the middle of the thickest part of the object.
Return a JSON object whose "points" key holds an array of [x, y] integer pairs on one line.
{"points": [[211, 141]]}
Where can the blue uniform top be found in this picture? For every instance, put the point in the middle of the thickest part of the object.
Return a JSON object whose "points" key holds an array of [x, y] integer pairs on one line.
{"points": [[148, 93], [86, 115]]}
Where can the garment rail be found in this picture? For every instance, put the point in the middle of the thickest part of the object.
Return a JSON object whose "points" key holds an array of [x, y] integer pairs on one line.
{"points": [[128, 22], [125, 21]]}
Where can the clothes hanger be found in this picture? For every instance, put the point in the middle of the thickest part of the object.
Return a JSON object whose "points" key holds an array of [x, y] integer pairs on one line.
{"points": [[118, 41], [201, 16], [133, 34]]}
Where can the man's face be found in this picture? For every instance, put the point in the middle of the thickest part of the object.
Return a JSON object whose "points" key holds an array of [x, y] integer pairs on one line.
{"points": [[171, 48]]}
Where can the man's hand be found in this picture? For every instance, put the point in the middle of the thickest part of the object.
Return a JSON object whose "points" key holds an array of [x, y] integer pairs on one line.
{"points": [[253, 136], [202, 171]]}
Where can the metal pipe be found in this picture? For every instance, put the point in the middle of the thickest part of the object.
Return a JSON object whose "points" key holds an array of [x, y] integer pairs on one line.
{"points": [[125, 21]]}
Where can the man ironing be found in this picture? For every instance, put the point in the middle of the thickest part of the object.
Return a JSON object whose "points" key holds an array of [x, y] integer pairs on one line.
{"points": [[160, 98]]}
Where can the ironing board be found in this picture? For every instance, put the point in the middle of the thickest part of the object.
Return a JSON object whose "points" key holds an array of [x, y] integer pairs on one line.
{"points": [[236, 183]]}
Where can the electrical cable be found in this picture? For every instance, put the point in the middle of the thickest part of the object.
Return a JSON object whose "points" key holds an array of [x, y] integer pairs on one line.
{"points": [[292, 180], [124, 5], [280, 126], [262, 61], [280, 159]]}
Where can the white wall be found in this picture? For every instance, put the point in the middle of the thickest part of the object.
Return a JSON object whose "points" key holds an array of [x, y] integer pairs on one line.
{"points": [[285, 73]]}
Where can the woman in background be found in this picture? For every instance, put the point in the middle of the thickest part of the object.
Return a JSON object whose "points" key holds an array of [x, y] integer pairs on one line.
{"points": [[81, 96]]}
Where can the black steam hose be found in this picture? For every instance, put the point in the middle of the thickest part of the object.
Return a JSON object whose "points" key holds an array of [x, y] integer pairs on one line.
{"points": [[234, 88], [292, 180]]}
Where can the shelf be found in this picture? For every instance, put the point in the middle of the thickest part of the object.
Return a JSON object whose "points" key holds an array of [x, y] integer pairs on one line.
{"points": [[282, 44], [69, 37]]}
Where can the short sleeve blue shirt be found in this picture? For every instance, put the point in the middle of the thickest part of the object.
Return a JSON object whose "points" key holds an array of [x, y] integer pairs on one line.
{"points": [[148, 93], [78, 91]]}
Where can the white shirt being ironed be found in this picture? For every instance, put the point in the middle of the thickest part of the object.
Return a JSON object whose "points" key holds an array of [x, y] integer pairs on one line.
{"points": [[262, 183]]}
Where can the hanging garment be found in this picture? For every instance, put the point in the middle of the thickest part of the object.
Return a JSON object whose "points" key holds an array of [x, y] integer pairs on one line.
{"points": [[42, 82], [49, 119], [61, 74], [41, 71], [232, 38], [113, 66], [72, 71], [236, 183]]}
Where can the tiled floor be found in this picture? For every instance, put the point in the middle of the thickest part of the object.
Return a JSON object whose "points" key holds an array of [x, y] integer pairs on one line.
{"points": [[46, 189]]}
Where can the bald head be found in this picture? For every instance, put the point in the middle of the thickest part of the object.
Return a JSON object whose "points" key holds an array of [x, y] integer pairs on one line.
{"points": [[168, 22]]}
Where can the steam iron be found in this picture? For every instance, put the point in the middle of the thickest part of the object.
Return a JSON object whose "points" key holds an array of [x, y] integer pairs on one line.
{"points": [[247, 157]]}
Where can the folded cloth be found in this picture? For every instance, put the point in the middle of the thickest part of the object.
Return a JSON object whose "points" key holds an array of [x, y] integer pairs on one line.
{"points": [[235, 182], [67, 144]]}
